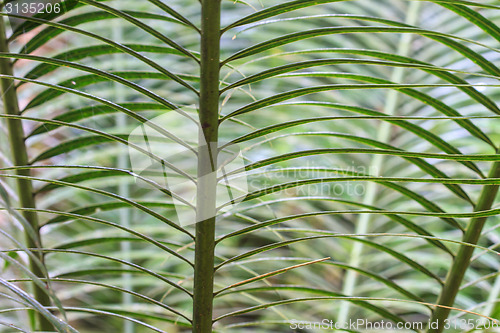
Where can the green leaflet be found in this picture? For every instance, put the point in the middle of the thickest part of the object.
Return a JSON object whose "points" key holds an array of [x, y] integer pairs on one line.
{"points": [[64, 27], [298, 36], [91, 111], [92, 51], [380, 84]]}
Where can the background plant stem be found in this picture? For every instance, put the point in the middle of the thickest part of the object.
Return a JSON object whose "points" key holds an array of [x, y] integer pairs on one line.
{"points": [[462, 260], [207, 160], [123, 188], [383, 135], [24, 186]]}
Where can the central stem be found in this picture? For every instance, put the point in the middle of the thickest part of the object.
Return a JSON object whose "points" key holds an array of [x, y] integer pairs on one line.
{"points": [[207, 165]]}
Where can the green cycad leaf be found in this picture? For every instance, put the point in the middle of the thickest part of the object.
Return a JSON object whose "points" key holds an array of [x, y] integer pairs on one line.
{"points": [[109, 194], [60, 325], [130, 316], [114, 259], [385, 249], [141, 25], [49, 33], [65, 27], [294, 37], [73, 116], [381, 84], [92, 51], [398, 219], [298, 4], [108, 286], [366, 273], [363, 304], [421, 132], [81, 81], [479, 20], [405, 62], [428, 168]]}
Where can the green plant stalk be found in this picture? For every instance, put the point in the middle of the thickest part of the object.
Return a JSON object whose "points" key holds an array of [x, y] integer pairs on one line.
{"points": [[383, 135], [207, 157], [462, 260], [24, 186]]}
